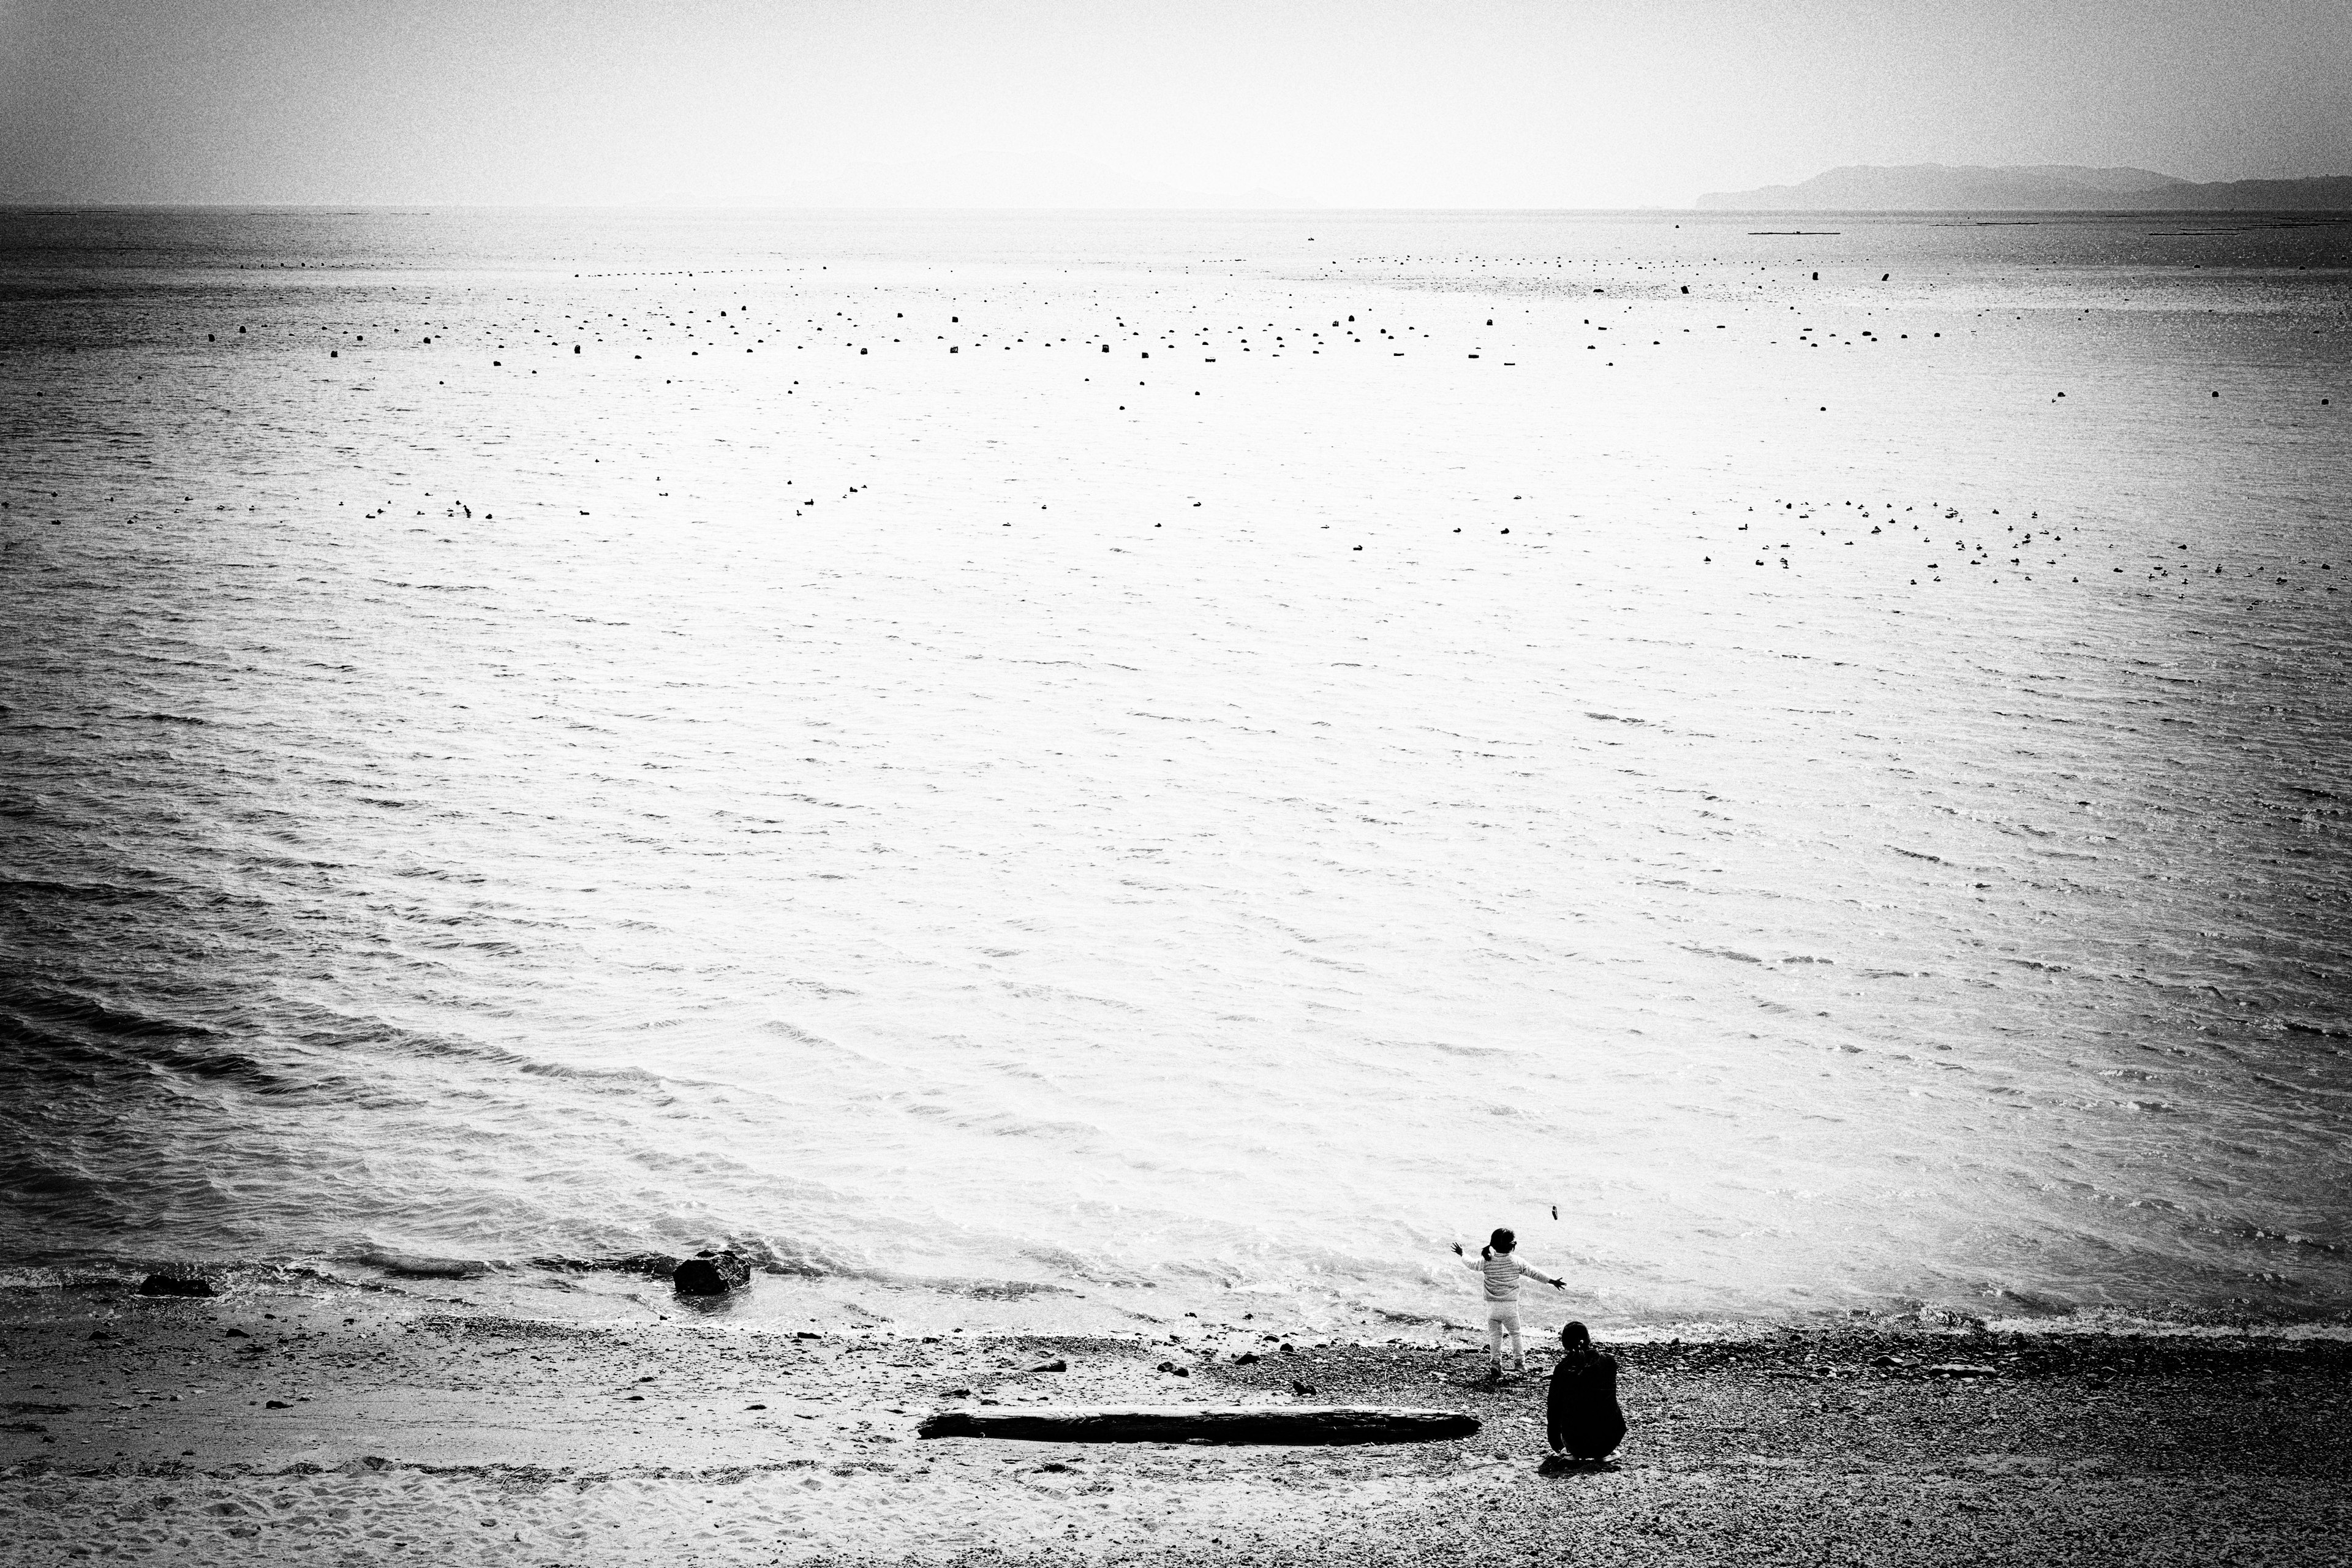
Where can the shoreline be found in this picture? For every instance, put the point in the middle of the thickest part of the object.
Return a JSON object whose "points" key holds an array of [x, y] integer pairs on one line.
{"points": [[300, 1430], [637, 1288]]}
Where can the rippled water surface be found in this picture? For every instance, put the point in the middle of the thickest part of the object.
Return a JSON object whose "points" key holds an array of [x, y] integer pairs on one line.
{"points": [[1128, 756]]}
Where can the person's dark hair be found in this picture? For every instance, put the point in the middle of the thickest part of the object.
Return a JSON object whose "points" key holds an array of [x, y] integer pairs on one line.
{"points": [[1503, 1240], [1576, 1339]]}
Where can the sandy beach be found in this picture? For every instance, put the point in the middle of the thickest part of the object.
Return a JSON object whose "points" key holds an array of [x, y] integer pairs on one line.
{"points": [[314, 1430]]}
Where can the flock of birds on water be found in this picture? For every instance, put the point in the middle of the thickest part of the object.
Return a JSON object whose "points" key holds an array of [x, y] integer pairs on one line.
{"points": [[689, 312]]}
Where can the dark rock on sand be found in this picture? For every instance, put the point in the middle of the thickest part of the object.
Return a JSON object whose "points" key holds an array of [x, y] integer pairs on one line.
{"points": [[176, 1285], [712, 1274]]}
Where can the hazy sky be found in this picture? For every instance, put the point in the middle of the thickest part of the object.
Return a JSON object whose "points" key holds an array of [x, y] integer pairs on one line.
{"points": [[1376, 102]]}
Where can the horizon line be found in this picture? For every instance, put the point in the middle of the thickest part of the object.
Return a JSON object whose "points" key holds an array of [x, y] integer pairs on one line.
{"points": [[35, 204]]}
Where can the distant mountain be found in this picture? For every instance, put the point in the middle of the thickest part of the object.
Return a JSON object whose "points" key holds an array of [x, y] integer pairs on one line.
{"points": [[987, 180], [2030, 187]]}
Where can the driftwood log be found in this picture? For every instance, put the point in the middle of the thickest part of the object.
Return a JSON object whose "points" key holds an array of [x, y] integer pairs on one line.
{"points": [[1202, 1424]]}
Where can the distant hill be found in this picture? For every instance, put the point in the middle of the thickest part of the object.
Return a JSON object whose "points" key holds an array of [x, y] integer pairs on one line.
{"points": [[2030, 187]]}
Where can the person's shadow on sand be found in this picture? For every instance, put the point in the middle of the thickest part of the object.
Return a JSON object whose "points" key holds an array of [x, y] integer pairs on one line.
{"points": [[1559, 1465]]}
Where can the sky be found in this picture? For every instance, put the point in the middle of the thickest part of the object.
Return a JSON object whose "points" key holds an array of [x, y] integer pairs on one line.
{"points": [[1341, 102]]}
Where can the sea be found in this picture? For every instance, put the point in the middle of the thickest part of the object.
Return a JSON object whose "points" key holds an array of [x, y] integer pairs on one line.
{"points": [[1145, 763]]}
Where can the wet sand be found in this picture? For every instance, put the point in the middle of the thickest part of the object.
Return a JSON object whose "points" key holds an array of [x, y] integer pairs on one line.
{"points": [[314, 1432]]}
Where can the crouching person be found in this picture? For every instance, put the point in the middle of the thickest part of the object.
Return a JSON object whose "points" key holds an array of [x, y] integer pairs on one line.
{"points": [[1581, 1408]]}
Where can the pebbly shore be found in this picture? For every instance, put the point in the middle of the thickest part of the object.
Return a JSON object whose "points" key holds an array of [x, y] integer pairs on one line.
{"points": [[304, 1431]]}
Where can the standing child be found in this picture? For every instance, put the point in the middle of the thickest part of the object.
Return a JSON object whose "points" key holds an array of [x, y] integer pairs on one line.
{"points": [[1503, 1270]]}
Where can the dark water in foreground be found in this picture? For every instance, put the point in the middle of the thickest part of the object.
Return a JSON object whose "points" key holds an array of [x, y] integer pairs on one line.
{"points": [[554, 736]]}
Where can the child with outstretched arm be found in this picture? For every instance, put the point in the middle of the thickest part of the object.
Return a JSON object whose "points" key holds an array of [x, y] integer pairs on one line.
{"points": [[1496, 1262]]}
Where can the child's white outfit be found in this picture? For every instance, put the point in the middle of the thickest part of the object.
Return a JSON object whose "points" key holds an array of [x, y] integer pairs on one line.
{"points": [[1503, 1271]]}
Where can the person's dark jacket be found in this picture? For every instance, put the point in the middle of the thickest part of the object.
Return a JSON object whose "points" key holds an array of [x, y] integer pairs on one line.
{"points": [[1581, 1407]]}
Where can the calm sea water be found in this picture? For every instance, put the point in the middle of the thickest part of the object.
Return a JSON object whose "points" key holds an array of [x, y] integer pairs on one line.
{"points": [[1192, 761]]}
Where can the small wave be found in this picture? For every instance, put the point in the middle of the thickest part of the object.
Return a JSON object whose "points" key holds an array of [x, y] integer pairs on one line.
{"points": [[660, 1264], [103, 1275], [64, 1008], [1414, 1319], [33, 888], [334, 1029], [1452, 1049], [53, 1056], [417, 1266], [762, 1257], [996, 1289], [57, 1036], [79, 1035], [2260, 1234]]}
